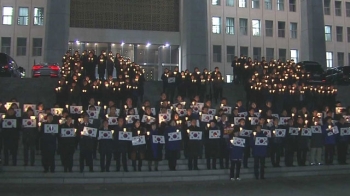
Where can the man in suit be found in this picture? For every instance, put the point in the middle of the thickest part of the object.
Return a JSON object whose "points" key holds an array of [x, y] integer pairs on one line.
{"points": [[86, 145]]}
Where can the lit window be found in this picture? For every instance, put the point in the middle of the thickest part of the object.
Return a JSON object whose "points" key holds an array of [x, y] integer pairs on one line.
{"points": [[7, 14], [280, 5], [39, 16], [256, 27], [294, 55], [329, 57], [242, 3], [215, 2], [328, 33], [23, 16], [216, 25]]}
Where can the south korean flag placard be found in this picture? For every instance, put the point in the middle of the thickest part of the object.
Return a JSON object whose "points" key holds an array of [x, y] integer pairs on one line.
{"points": [[9, 123], [226, 109], [56, 111], [306, 132], [254, 120], [239, 142], [293, 131], [158, 139], [206, 118], [67, 132], [283, 120], [42, 117], [148, 119], [51, 128], [214, 134], [181, 112], [280, 132], [26, 106], [257, 114], [275, 115], [105, 135], [171, 80], [125, 136], [345, 131], [237, 119], [89, 131], [112, 120], [243, 114], [266, 132], [195, 135], [153, 111], [261, 141], [93, 114], [8, 104], [316, 129], [138, 140], [132, 118], [18, 112], [174, 136], [335, 129], [245, 133], [75, 109], [29, 123], [164, 118], [212, 111]]}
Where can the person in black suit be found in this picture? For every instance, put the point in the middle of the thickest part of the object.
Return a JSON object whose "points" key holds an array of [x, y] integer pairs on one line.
{"points": [[67, 146], [48, 146], [11, 137], [86, 145], [105, 145]]}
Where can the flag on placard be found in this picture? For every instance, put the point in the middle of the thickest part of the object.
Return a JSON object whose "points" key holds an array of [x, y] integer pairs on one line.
{"points": [[245, 133], [131, 118], [181, 112], [206, 117], [347, 118], [158, 139], [283, 120], [195, 135], [280, 132], [237, 119], [148, 119], [212, 111], [138, 140], [89, 131], [236, 141], [29, 123], [269, 122], [9, 123], [8, 104], [26, 106], [103, 135], [153, 110], [339, 110], [67, 132], [174, 136], [93, 114], [214, 134], [18, 112], [242, 114], [112, 120], [75, 109], [345, 131], [42, 117], [254, 120], [226, 109], [51, 128], [335, 129], [306, 132], [195, 108], [266, 132], [316, 129], [171, 80], [56, 111], [293, 130], [257, 114], [124, 135], [261, 141], [164, 118], [275, 115]]}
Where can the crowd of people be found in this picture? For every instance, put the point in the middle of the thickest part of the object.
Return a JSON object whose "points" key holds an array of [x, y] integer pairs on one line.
{"points": [[283, 115]]}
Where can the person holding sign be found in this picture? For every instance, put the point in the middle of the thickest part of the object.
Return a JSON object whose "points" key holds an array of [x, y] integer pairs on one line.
{"points": [[67, 141], [172, 145], [213, 136], [154, 147], [10, 133], [316, 143], [330, 136], [259, 146], [236, 149], [194, 144], [48, 144], [290, 145], [137, 151], [105, 146], [29, 136], [276, 143], [302, 142], [121, 146], [342, 140], [86, 143]]}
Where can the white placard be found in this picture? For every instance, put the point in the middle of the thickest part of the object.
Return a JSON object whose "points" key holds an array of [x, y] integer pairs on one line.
{"points": [[243, 114], [254, 120], [89, 131], [56, 111], [316, 129], [29, 123], [195, 135], [164, 118], [261, 141], [345, 131], [237, 119], [207, 117], [214, 134], [75, 109], [124, 135], [171, 80], [174, 136], [181, 112], [67, 132], [306, 132], [26, 106], [245, 133], [93, 114], [105, 135], [51, 128], [158, 139], [226, 109], [148, 119], [266, 132], [112, 120], [280, 132], [239, 142], [132, 118], [138, 140], [9, 123], [8, 104], [212, 111], [293, 131], [283, 120]]}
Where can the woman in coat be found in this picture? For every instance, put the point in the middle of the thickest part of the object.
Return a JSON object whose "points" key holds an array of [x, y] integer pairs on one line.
{"points": [[154, 149]]}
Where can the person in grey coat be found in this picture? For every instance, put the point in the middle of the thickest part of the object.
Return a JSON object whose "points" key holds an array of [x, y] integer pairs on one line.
{"points": [[316, 145]]}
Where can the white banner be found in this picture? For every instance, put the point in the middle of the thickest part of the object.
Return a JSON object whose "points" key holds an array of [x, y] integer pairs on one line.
{"points": [[88, 131], [9, 123], [51, 128], [29, 123]]}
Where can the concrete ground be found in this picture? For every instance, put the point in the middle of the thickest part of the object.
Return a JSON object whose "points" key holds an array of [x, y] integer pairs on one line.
{"points": [[298, 186]]}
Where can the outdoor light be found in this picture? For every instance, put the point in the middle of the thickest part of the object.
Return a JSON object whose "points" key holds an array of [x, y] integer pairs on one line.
{"points": [[148, 44], [166, 45], [122, 44]]}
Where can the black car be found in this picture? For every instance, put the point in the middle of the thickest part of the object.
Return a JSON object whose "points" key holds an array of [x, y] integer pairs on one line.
{"points": [[314, 71], [9, 67], [338, 75]]}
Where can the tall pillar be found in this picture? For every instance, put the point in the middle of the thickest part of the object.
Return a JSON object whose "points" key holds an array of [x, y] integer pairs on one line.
{"points": [[57, 29], [194, 34], [313, 44]]}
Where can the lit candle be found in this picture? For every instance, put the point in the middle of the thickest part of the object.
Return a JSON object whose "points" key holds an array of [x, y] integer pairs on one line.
{"points": [[124, 129], [147, 132], [188, 131]]}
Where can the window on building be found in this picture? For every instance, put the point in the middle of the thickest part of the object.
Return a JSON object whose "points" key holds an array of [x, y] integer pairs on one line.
{"points": [[230, 3], [294, 54], [257, 53], [347, 7], [256, 27], [242, 3], [339, 31], [230, 53], [327, 7], [21, 46], [292, 6], [293, 30], [255, 4], [280, 5], [329, 58], [269, 28], [348, 34], [217, 53], [7, 14], [215, 2], [281, 29], [244, 51], [37, 46], [230, 26], [216, 21], [282, 54], [243, 26], [268, 4], [23, 16], [337, 8], [328, 33], [39, 16], [340, 57], [6, 45], [270, 54]]}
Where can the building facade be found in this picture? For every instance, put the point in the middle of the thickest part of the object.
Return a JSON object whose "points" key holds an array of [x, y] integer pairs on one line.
{"points": [[161, 34]]}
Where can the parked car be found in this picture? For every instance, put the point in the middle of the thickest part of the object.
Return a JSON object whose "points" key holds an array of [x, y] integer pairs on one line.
{"points": [[315, 72], [338, 75], [46, 69], [9, 67]]}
